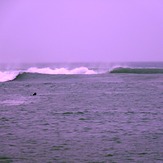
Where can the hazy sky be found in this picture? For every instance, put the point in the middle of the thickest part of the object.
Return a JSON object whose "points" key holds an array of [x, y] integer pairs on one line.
{"points": [[81, 30]]}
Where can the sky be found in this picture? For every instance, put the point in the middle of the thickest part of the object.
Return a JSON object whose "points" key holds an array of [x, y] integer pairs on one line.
{"points": [[81, 30]]}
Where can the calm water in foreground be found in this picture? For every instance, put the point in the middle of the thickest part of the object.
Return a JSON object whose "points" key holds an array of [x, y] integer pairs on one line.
{"points": [[88, 115]]}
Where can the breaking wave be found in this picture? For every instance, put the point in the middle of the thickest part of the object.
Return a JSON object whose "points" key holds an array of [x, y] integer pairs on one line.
{"points": [[13, 75], [34, 73], [79, 70], [8, 75]]}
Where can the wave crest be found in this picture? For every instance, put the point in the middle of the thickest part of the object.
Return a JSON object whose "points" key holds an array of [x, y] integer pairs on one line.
{"points": [[8, 75], [137, 70], [47, 70], [13, 75]]}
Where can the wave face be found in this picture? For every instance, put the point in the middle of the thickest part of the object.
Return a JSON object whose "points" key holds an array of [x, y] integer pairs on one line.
{"points": [[137, 70]]}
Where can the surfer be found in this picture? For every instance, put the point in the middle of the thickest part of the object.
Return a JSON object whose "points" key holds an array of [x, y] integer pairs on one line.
{"points": [[34, 94]]}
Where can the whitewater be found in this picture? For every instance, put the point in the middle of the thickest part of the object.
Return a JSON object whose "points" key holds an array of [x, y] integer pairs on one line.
{"points": [[83, 112], [10, 75]]}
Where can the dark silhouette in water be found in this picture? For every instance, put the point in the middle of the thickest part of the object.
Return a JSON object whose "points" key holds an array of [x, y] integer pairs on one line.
{"points": [[34, 94]]}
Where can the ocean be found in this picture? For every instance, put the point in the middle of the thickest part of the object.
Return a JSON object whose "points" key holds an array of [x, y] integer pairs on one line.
{"points": [[81, 113]]}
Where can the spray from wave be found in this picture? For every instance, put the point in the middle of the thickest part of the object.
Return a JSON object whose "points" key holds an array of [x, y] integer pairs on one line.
{"points": [[79, 70], [8, 75]]}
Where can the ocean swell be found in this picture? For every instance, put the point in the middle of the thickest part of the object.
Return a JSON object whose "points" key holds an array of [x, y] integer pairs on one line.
{"points": [[137, 70], [34, 73]]}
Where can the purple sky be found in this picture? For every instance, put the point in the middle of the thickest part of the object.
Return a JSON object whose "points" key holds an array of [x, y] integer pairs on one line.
{"points": [[81, 30]]}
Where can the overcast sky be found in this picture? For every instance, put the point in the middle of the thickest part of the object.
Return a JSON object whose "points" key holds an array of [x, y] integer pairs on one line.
{"points": [[81, 30]]}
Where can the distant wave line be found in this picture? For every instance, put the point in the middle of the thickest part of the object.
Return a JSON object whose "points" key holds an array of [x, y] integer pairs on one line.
{"points": [[34, 71]]}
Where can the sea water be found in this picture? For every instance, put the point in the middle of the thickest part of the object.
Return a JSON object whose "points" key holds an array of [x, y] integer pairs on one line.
{"points": [[83, 112]]}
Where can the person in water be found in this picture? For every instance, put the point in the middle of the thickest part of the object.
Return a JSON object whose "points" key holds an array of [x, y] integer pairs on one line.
{"points": [[34, 94]]}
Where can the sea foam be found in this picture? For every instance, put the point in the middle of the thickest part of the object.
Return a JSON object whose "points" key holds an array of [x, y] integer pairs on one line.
{"points": [[47, 70]]}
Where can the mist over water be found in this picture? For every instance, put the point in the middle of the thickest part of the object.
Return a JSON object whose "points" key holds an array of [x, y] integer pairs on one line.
{"points": [[80, 31], [68, 89]]}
